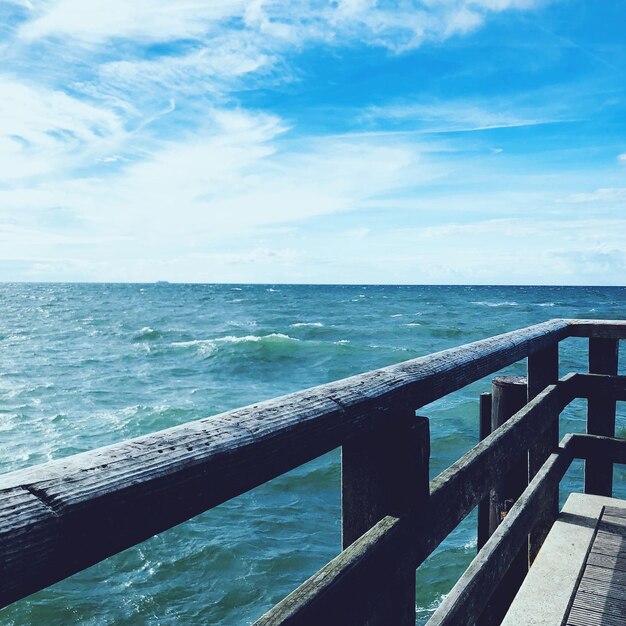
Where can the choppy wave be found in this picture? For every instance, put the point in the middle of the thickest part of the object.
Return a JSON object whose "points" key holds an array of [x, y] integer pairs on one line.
{"points": [[208, 347], [147, 334], [167, 356], [495, 304]]}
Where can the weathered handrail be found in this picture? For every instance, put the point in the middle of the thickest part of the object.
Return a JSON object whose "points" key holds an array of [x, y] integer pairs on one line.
{"points": [[61, 517], [464, 604]]}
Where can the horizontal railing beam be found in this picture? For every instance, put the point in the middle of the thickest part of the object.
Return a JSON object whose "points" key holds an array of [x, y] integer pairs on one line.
{"points": [[106, 500], [458, 489], [597, 447], [93, 505], [345, 590], [467, 599], [454, 493], [605, 385], [606, 329]]}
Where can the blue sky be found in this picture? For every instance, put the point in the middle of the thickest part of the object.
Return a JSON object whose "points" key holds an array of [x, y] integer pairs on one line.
{"points": [[416, 141]]}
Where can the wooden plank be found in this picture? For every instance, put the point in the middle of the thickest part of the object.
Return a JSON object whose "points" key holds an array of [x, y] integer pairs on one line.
{"points": [[112, 498], [596, 557], [596, 447], [543, 370], [453, 494], [613, 387], [607, 329], [601, 594], [458, 489], [603, 357], [345, 590], [384, 474], [510, 394], [484, 505], [463, 605], [599, 603]]}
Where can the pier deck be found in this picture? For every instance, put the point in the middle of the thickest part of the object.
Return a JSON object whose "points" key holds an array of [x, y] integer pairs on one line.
{"points": [[579, 575]]}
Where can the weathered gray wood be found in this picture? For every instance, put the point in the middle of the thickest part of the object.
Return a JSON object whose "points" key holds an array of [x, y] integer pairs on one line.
{"points": [[483, 507], [510, 394], [106, 500], [608, 329], [346, 590], [603, 357], [468, 598], [458, 489], [594, 447], [386, 473], [543, 370], [453, 494], [601, 594], [603, 385], [111, 498]]}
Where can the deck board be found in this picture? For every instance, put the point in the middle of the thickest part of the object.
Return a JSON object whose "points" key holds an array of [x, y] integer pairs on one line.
{"points": [[600, 598]]}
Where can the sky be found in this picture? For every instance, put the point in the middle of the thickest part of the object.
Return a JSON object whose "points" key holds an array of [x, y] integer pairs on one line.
{"points": [[345, 141]]}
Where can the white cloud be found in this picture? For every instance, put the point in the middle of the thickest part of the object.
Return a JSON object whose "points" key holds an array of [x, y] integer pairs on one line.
{"points": [[231, 177], [614, 195], [400, 26], [622, 157], [456, 116], [44, 130], [97, 20]]}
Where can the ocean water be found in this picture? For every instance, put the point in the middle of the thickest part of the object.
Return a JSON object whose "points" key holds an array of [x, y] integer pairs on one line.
{"points": [[83, 366]]}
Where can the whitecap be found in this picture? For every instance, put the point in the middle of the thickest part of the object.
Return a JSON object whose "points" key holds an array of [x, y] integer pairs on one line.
{"points": [[307, 325], [495, 304], [255, 338], [147, 334], [412, 324]]}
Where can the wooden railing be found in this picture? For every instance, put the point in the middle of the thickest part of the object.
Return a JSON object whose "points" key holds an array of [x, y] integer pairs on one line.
{"points": [[61, 517]]}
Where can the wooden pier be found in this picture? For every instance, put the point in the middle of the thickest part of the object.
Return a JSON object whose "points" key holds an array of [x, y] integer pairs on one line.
{"points": [[61, 517]]}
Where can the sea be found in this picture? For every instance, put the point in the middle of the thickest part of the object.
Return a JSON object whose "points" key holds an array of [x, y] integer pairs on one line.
{"points": [[86, 365]]}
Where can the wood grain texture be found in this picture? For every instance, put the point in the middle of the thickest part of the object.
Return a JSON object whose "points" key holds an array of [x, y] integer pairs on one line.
{"points": [[74, 512], [483, 507], [603, 357], [386, 473], [453, 494], [458, 489], [346, 590], [543, 370], [109, 499], [601, 594], [468, 598]]}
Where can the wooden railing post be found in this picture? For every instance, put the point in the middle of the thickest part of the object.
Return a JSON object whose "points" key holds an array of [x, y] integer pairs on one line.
{"points": [[386, 473], [484, 506], [509, 395], [543, 370], [603, 358]]}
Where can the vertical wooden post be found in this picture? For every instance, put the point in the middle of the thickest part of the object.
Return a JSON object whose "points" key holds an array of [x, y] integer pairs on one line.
{"points": [[509, 395], [603, 358], [386, 473], [543, 370], [483, 507]]}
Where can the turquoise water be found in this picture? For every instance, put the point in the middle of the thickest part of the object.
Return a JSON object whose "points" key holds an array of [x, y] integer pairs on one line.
{"points": [[82, 366]]}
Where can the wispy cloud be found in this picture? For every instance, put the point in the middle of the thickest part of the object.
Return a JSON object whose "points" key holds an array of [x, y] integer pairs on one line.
{"points": [[202, 141], [464, 115], [44, 130]]}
